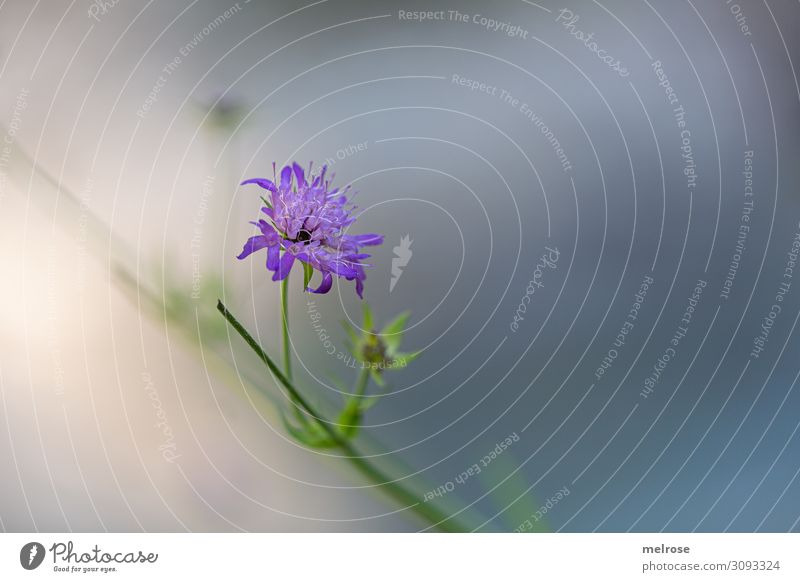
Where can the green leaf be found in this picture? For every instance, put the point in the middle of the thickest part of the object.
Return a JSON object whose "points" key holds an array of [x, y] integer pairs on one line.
{"points": [[352, 336], [308, 271], [309, 436], [392, 334], [299, 434], [350, 418], [376, 375], [511, 494], [367, 322], [266, 202], [367, 403], [406, 357]]}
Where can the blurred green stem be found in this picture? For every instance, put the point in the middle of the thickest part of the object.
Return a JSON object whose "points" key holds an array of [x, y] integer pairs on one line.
{"points": [[429, 512], [287, 348], [363, 381]]}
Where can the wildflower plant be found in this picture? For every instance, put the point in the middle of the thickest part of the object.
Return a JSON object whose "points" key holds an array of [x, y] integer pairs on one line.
{"points": [[308, 221], [377, 352]]}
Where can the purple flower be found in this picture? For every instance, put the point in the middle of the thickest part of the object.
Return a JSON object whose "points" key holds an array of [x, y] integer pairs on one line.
{"points": [[307, 223]]}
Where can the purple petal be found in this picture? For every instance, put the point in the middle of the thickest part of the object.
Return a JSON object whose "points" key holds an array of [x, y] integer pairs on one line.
{"points": [[321, 178], [267, 230], [342, 270], [263, 182], [368, 239], [268, 212], [360, 288], [301, 175], [325, 286], [253, 244], [287, 260], [286, 178], [273, 257]]}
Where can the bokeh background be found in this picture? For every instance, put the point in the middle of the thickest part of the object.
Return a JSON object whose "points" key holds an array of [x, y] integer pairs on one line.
{"points": [[126, 127]]}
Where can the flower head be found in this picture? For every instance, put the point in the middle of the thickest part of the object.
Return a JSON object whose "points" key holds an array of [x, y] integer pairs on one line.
{"points": [[379, 351], [308, 222]]}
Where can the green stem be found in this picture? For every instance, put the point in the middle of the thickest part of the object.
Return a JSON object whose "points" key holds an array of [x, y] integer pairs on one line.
{"points": [[399, 493], [287, 348], [363, 381]]}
